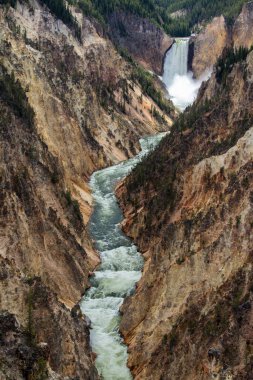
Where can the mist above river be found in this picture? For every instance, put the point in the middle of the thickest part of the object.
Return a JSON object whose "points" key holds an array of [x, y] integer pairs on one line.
{"points": [[184, 89]]}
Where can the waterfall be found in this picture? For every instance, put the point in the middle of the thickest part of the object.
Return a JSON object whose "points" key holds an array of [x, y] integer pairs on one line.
{"points": [[181, 86], [176, 61]]}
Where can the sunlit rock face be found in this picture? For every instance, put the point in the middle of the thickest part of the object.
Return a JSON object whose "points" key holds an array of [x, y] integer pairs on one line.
{"points": [[243, 27], [45, 169], [208, 46]]}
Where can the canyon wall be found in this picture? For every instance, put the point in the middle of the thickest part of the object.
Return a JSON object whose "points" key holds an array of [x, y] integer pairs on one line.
{"points": [[67, 108], [146, 42], [242, 30], [209, 44], [190, 212]]}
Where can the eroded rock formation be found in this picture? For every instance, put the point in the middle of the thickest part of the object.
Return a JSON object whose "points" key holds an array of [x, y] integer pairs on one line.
{"points": [[209, 44]]}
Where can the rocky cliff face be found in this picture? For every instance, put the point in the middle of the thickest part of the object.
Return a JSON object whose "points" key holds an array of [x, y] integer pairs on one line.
{"points": [[242, 31], [145, 42], [209, 45], [190, 212], [43, 259], [40, 337], [67, 108]]}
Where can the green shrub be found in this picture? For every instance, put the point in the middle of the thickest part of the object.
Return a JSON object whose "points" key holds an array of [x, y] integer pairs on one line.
{"points": [[30, 331], [68, 197], [73, 203]]}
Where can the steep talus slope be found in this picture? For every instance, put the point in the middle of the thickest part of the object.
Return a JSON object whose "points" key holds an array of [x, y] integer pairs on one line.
{"points": [[68, 107], [188, 206], [40, 337]]}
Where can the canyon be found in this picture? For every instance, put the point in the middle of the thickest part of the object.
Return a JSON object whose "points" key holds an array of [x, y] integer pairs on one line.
{"points": [[73, 104], [57, 127]]}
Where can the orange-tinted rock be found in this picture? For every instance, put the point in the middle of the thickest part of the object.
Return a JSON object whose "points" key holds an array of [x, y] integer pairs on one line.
{"points": [[243, 27], [208, 45]]}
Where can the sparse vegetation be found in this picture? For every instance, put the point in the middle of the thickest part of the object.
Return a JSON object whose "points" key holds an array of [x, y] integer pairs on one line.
{"points": [[40, 371], [30, 326], [146, 82], [12, 3], [73, 203], [60, 9], [227, 61], [238, 221], [37, 369], [180, 260], [219, 323], [14, 95], [149, 165]]}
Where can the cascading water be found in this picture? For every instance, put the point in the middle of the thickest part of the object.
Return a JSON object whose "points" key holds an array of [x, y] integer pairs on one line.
{"points": [[120, 269], [181, 85], [176, 61]]}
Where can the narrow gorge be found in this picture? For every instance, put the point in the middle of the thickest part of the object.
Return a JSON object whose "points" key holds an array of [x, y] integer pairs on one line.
{"points": [[118, 272], [121, 263], [126, 192]]}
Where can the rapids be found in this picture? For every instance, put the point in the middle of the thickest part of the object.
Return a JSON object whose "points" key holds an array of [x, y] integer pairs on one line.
{"points": [[119, 271]]}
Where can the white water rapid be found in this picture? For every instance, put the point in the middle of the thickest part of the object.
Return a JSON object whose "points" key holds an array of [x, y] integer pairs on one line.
{"points": [[118, 273], [181, 85]]}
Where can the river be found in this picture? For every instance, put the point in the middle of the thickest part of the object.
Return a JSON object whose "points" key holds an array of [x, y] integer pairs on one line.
{"points": [[121, 263], [120, 268]]}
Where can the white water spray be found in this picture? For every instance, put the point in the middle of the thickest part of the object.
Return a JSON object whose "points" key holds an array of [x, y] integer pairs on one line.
{"points": [[181, 85]]}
